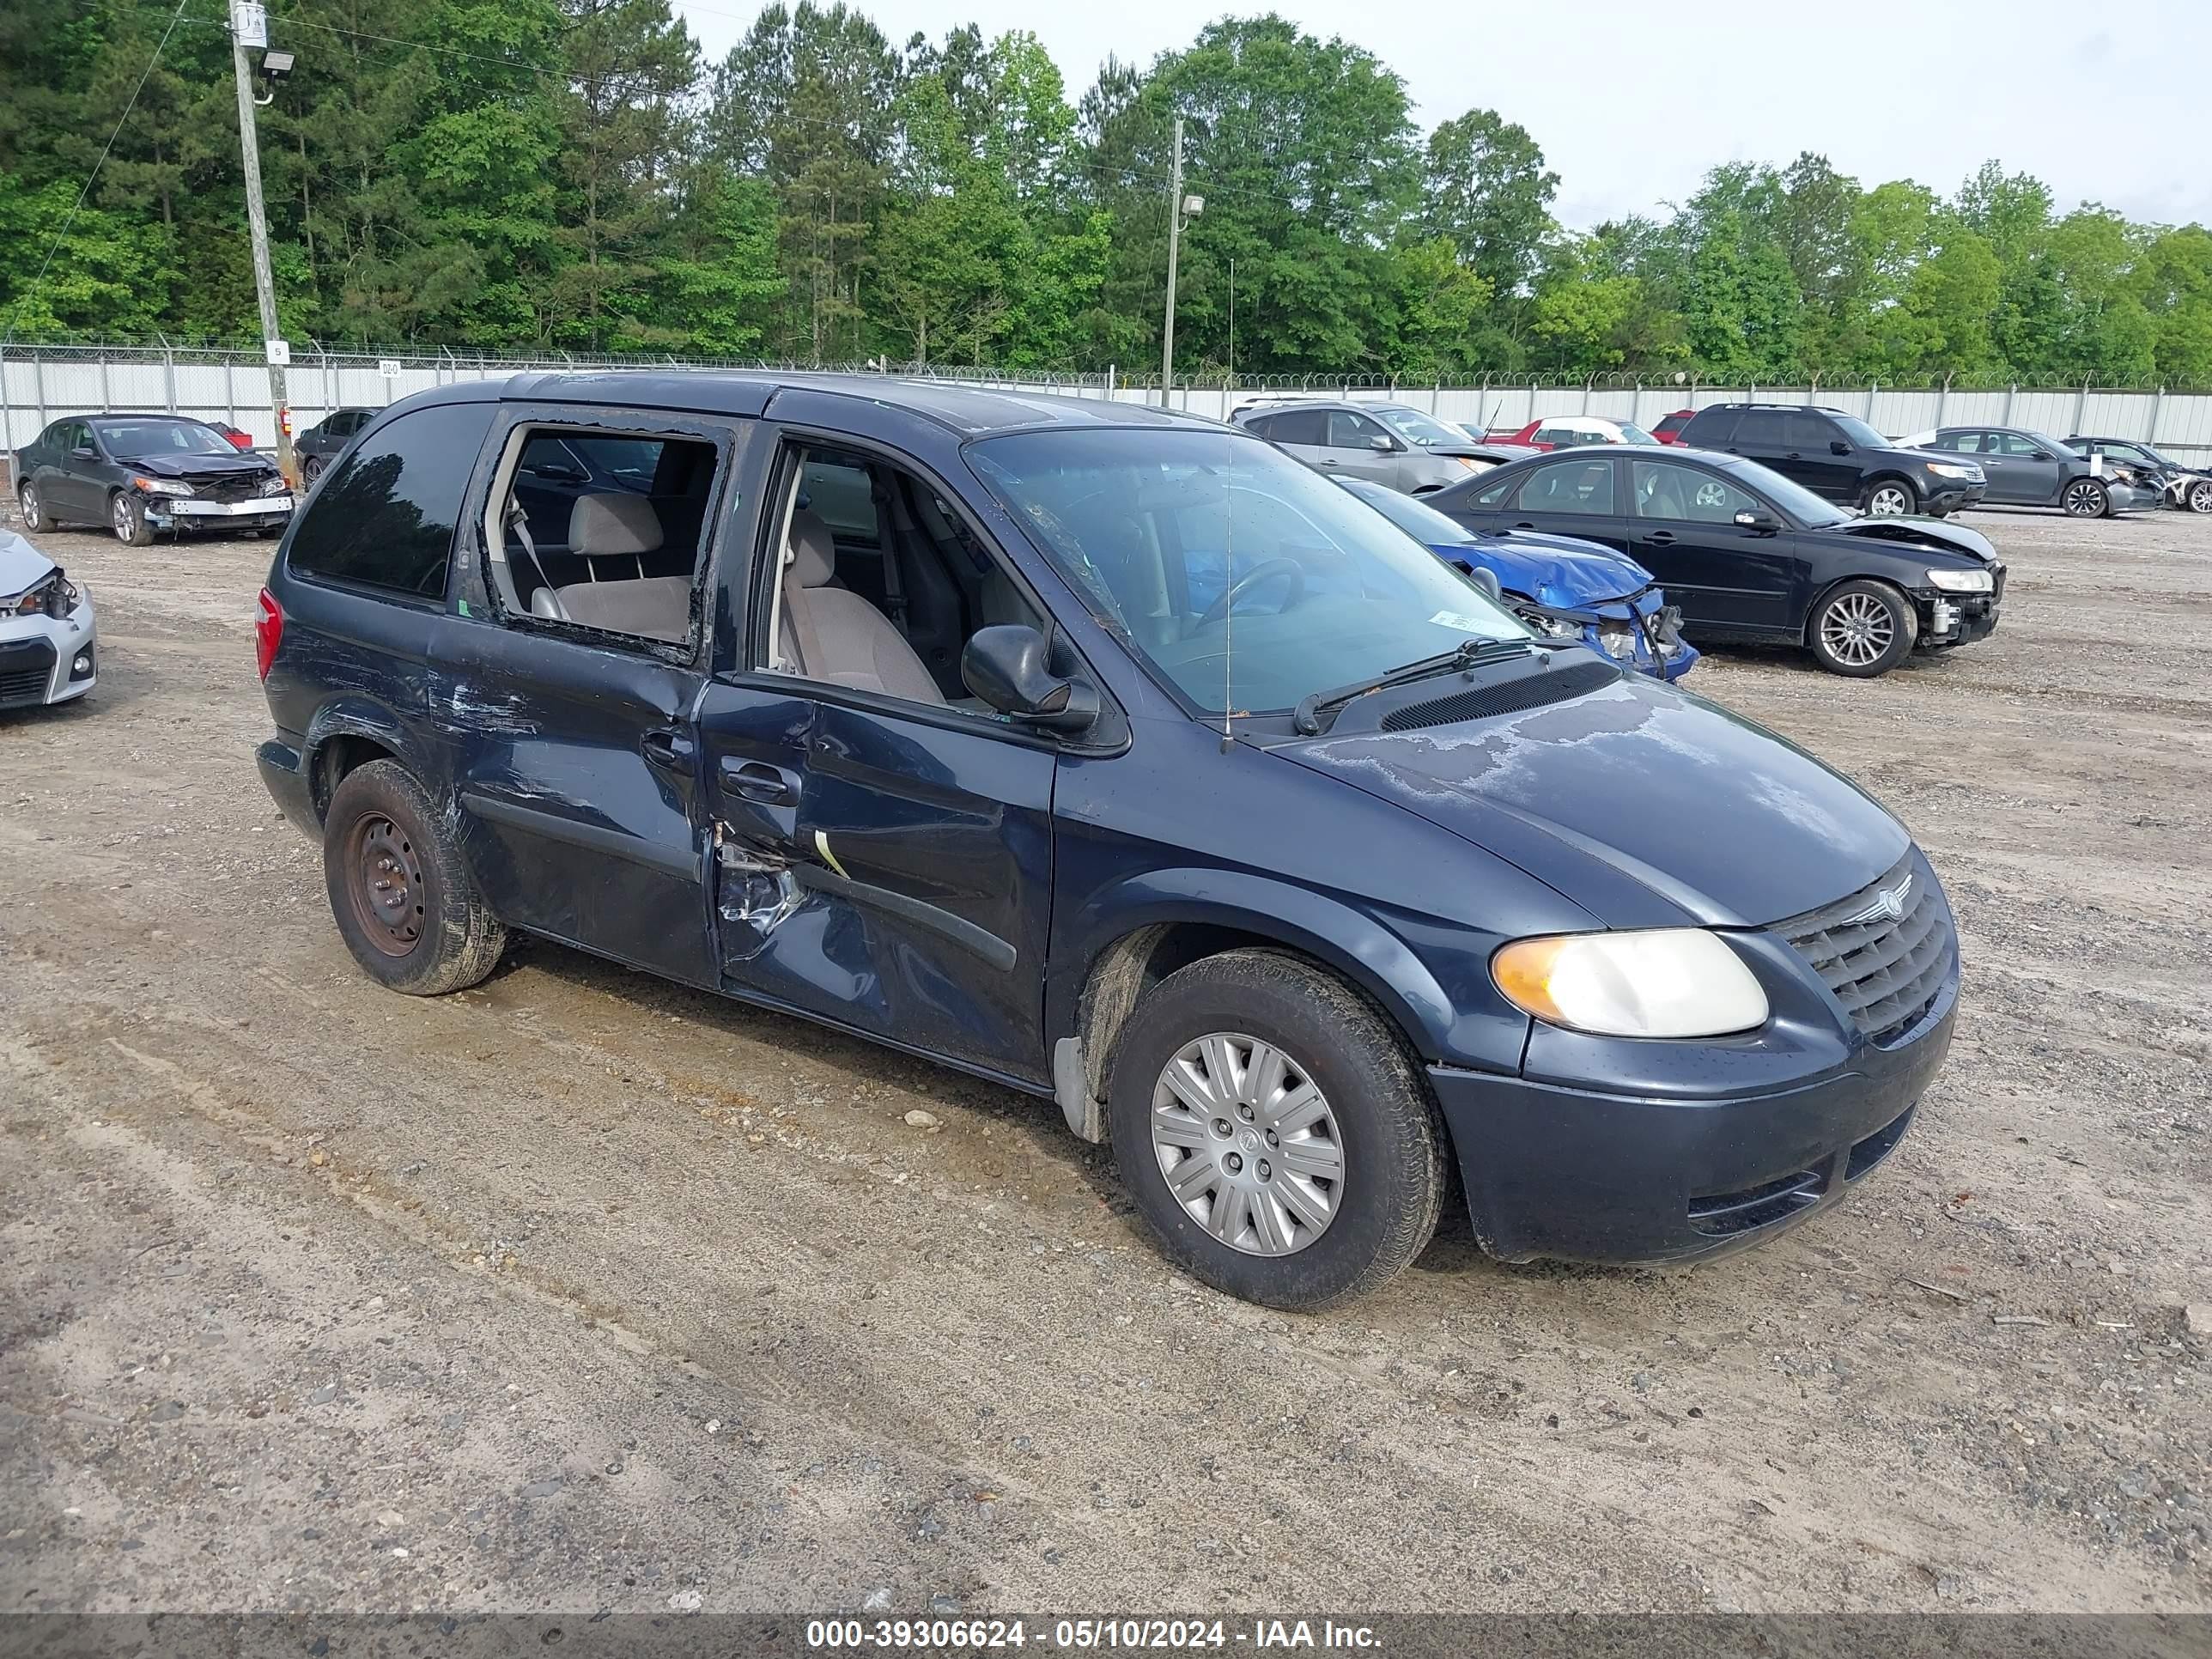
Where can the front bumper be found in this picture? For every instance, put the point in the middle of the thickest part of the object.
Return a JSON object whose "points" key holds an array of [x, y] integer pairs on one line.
{"points": [[1946, 495], [190, 513], [48, 659], [2133, 498], [1621, 1150]]}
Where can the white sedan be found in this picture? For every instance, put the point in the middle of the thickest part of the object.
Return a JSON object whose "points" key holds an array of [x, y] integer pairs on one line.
{"points": [[48, 649]]}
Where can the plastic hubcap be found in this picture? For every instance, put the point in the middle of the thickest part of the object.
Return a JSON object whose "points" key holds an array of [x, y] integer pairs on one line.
{"points": [[1247, 1144]]}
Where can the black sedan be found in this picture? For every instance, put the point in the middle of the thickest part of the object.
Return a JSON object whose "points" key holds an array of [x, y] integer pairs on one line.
{"points": [[324, 442], [140, 473], [1747, 555]]}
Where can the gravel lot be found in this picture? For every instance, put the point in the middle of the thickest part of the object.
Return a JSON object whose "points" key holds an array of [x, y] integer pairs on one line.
{"points": [[582, 1291]]}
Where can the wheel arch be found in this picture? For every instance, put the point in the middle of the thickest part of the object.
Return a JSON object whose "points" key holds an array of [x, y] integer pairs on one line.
{"points": [[1186, 916], [1883, 578], [346, 736], [1891, 476]]}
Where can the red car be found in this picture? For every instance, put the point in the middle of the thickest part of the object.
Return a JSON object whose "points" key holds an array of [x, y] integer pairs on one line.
{"points": [[1566, 431], [238, 440], [1667, 429]]}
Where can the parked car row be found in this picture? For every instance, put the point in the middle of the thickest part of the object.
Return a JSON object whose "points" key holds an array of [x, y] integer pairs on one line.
{"points": [[1114, 756]]}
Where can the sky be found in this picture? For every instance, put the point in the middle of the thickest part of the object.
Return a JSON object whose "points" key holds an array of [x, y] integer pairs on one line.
{"points": [[1633, 100]]}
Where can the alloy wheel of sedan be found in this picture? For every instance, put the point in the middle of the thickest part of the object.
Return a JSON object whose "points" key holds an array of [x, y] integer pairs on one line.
{"points": [[2084, 499], [2200, 497], [1857, 630], [1247, 1144], [27, 499], [1889, 500]]}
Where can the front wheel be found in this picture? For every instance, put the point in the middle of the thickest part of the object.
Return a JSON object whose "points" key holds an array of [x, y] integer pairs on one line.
{"points": [[1863, 629], [1273, 1132], [404, 900], [2200, 495], [34, 510], [126, 515], [2085, 498], [1890, 498]]}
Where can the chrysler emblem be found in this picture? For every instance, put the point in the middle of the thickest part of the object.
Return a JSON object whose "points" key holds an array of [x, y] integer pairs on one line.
{"points": [[1888, 905]]}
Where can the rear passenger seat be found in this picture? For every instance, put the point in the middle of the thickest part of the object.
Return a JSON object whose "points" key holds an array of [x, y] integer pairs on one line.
{"points": [[651, 607]]}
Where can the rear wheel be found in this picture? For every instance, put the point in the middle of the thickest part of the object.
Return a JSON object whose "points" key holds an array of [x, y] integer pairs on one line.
{"points": [[1889, 498], [1273, 1132], [2085, 498], [310, 469], [34, 510], [126, 516], [1863, 629], [404, 900]]}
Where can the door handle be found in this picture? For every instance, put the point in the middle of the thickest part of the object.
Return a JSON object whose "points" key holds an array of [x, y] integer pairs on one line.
{"points": [[758, 780], [668, 748], [1325, 461], [1793, 456], [1525, 524], [1662, 537]]}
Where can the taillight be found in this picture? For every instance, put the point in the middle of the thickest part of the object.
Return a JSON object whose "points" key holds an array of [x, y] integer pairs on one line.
{"points": [[268, 631]]}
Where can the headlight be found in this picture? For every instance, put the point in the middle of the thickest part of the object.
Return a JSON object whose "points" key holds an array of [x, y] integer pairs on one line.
{"points": [[1961, 581], [275, 486], [1953, 470], [1470, 463], [1667, 982], [163, 486]]}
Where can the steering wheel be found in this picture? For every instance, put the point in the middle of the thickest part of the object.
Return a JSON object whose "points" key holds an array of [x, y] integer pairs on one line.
{"points": [[1267, 570]]}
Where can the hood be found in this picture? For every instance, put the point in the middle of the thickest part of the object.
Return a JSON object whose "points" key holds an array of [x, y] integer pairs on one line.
{"points": [[20, 564], [1647, 806], [236, 463], [1563, 572], [1938, 535]]}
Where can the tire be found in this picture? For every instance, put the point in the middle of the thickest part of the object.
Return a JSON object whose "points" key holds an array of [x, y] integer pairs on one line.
{"points": [[1378, 1129], [1861, 629], [33, 510], [2085, 498], [1890, 498], [126, 517], [438, 935], [310, 469], [2199, 496]]}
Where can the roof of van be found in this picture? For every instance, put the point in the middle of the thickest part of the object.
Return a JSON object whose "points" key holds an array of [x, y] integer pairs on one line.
{"points": [[964, 409]]}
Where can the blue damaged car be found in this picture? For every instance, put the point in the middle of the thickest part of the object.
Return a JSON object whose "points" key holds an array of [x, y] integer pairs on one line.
{"points": [[1113, 756], [1561, 586]]}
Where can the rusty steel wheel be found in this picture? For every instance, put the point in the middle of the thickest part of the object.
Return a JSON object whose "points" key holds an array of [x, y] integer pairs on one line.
{"points": [[388, 890]]}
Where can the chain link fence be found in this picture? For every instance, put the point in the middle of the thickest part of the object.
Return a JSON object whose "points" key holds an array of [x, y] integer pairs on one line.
{"points": [[40, 384]]}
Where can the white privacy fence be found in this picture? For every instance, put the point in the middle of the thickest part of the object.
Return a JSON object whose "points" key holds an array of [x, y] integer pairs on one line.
{"points": [[40, 384]]}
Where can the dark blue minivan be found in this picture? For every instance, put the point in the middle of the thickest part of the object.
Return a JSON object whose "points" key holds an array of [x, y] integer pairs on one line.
{"points": [[1114, 756]]}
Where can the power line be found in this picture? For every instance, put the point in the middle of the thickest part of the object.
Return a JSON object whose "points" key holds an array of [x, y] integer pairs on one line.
{"points": [[53, 246]]}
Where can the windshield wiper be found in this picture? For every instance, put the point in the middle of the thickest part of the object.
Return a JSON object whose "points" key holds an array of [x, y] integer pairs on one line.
{"points": [[1468, 654]]}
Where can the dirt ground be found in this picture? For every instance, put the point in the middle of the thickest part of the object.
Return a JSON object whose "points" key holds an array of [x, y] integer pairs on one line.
{"points": [[581, 1292]]}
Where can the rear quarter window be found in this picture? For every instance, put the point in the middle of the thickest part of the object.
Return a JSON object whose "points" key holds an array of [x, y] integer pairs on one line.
{"points": [[1710, 427], [384, 519]]}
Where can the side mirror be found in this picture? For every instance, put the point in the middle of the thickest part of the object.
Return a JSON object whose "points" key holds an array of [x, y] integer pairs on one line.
{"points": [[2044, 455], [1764, 523], [1837, 446], [1483, 578], [1382, 444], [84, 453], [1006, 666]]}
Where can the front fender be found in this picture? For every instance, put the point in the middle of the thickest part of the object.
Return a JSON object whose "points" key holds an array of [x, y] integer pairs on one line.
{"points": [[1456, 1018]]}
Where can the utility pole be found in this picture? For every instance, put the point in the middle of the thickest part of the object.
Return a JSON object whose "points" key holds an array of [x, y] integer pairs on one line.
{"points": [[249, 25], [1174, 237]]}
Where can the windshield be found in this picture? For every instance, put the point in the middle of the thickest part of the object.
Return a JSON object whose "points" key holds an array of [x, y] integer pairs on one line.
{"points": [[1243, 579], [1859, 432], [1417, 519], [1414, 427], [162, 437], [1794, 501], [2055, 446]]}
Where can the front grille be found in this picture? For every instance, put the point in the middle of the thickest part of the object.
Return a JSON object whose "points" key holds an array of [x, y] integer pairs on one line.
{"points": [[1513, 697], [226, 486], [26, 670], [1723, 1215], [1886, 971]]}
